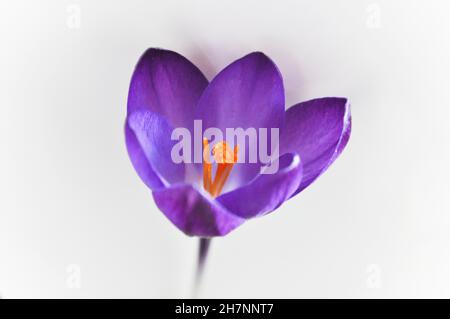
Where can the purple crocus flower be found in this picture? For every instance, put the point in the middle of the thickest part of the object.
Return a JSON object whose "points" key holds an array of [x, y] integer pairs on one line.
{"points": [[168, 91]]}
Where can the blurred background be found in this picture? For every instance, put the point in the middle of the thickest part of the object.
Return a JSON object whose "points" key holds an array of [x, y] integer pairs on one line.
{"points": [[77, 222]]}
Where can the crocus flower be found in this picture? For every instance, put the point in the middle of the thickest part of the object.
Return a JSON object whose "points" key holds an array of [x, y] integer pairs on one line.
{"points": [[168, 91]]}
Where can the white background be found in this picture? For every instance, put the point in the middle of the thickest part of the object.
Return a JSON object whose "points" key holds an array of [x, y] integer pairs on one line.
{"points": [[76, 221]]}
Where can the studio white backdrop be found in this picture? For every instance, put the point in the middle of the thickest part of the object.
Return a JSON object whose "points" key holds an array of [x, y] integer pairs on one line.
{"points": [[76, 221]]}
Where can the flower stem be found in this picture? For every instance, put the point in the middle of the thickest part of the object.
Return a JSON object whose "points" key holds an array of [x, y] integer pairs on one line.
{"points": [[203, 249]]}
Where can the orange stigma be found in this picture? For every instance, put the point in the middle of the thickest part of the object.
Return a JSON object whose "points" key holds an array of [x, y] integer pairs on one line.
{"points": [[225, 159]]}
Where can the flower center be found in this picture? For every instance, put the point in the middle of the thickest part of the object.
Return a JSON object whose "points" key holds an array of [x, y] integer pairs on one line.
{"points": [[225, 159]]}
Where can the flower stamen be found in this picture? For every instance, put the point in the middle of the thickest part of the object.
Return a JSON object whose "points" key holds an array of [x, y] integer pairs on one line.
{"points": [[225, 159], [207, 167]]}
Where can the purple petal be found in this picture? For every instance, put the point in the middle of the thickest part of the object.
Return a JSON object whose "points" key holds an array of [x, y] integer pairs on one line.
{"points": [[246, 94], [318, 131], [193, 213], [266, 192], [149, 144], [139, 160], [166, 83]]}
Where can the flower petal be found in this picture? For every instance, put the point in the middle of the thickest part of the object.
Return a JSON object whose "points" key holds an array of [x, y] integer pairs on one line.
{"points": [[193, 213], [318, 131], [166, 83], [266, 192], [140, 161], [246, 94], [149, 144]]}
